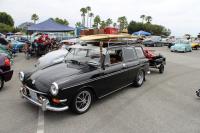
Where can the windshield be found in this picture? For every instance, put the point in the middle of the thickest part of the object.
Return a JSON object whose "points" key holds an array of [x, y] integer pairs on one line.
{"points": [[182, 41], [82, 56]]}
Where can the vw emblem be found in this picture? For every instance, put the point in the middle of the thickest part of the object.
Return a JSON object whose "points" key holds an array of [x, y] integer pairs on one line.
{"points": [[33, 82]]}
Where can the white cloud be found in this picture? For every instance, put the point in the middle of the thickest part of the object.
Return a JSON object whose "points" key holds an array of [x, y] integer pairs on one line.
{"points": [[180, 16]]}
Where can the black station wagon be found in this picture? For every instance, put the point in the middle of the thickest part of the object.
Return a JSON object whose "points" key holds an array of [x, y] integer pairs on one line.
{"points": [[88, 72]]}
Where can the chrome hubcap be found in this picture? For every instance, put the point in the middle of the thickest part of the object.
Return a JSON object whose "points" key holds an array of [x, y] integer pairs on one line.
{"points": [[83, 101], [140, 77]]}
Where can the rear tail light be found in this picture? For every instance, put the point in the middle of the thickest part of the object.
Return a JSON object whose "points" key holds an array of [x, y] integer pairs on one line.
{"points": [[7, 62]]}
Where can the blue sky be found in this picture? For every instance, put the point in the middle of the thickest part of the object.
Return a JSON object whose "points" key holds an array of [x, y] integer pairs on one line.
{"points": [[181, 16]]}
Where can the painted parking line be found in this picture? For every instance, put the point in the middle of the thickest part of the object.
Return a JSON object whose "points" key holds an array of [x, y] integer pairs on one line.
{"points": [[40, 127]]}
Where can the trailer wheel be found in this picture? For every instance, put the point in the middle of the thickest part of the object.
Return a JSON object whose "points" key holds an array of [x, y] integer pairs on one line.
{"points": [[161, 68]]}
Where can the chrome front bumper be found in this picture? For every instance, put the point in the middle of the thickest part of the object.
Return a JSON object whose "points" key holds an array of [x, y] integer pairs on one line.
{"points": [[43, 103]]}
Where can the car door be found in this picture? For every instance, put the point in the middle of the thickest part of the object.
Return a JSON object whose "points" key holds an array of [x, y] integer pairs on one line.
{"points": [[142, 59], [114, 72], [131, 63]]}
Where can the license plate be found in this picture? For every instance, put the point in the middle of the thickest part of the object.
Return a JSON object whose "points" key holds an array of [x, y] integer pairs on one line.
{"points": [[33, 95]]}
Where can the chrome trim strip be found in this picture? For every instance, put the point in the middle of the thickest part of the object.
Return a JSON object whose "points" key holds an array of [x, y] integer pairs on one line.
{"points": [[104, 76], [45, 104], [34, 90], [115, 90]]}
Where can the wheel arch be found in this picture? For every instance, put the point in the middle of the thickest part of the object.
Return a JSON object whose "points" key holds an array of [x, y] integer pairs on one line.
{"points": [[89, 88]]}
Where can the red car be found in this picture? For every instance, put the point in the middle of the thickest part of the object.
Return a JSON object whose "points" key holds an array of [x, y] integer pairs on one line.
{"points": [[5, 70]]}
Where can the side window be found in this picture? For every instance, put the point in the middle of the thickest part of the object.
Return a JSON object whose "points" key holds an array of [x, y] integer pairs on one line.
{"points": [[140, 52], [115, 56], [129, 54]]}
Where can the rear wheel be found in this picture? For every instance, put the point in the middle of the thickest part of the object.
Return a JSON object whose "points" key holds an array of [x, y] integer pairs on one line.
{"points": [[1, 83], [139, 79], [82, 101]]}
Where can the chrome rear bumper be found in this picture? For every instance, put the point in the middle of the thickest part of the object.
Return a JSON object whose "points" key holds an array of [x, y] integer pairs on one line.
{"points": [[43, 103]]}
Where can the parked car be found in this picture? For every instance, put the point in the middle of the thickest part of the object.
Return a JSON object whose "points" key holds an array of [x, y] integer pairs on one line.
{"points": [[150, 43], [56, 56], [7, 53], [181, 46], [153, 41], [88, 72], [195, 45], [5, 70], [17, 46], [53, 57], [156, 61]]}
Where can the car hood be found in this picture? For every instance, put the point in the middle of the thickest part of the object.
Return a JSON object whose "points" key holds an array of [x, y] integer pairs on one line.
{"points": [[42, 79]]}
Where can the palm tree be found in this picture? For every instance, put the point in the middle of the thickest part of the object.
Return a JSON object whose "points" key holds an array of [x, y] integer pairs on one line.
{"points": [[114, 25], [91, 15], [78, 24], [109, 22], [123, 23], [97, 21], [143, 18], [83, 11], [102, 24], [148, 19], [88, 8], [34, 17]]}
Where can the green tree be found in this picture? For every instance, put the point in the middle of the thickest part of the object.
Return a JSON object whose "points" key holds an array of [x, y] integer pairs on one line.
{"points": [[152, 28], [35, 17], [4, 28], [123, 23], [6, 19], [88, 8], [61, 21], [78, 24], [102, 24], [97, 21], [109, 22], [148, 19], [143, 18], [83, 12], [91, 15]]}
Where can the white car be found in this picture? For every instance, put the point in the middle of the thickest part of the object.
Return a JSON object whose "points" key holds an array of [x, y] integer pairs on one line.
{"points": [[56, 56], [52, 58]]}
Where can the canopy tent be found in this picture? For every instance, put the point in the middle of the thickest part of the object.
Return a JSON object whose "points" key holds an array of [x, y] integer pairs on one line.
{"points": [[50, 26], [142, 33]]}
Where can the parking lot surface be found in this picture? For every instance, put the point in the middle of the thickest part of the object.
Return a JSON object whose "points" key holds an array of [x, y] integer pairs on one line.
{"points": [[166, 103]]}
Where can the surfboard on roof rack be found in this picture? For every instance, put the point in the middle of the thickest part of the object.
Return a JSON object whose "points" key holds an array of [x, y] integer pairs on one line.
{"points": [[102, 37]]}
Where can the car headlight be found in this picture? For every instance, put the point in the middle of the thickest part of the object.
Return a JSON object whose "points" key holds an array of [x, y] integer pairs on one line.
{"points": [[21, 76], [54, 89]]}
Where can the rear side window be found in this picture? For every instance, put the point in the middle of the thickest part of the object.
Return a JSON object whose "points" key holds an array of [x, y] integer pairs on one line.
{"points": [[139, 52], [129, 54]]}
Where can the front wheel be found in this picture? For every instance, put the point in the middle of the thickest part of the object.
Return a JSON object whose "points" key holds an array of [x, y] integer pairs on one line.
{"points": [[139, 79], [1, 83], [82, 101]]}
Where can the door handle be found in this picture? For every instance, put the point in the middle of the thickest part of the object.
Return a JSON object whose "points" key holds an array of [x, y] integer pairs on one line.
{"points": [[124, 65]]}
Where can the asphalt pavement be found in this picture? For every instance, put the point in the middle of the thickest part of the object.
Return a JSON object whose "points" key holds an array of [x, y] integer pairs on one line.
{"points": [[166, 103]]}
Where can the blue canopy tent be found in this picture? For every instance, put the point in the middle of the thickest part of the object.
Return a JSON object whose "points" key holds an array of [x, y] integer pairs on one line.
{"points": [[49, 26], [142, 33]]}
